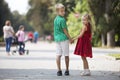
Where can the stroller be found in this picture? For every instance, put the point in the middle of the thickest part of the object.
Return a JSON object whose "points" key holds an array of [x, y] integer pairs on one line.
{"points": [[20, 49]]}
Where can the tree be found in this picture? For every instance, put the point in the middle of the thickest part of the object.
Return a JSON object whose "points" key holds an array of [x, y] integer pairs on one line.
{"points": [[40, 14], [105, 19], [5, 14], [74, 18], [18, 20], [69, 5]]}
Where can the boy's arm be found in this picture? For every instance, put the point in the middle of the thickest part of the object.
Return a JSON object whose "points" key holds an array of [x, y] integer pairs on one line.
{"points": [[67, 34]]}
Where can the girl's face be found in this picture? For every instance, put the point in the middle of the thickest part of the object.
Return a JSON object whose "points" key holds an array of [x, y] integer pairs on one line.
{"points": [[84, 20], [22, 29], [61, 12]]}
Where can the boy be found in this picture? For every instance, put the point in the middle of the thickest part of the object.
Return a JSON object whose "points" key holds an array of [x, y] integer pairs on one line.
{"points": [[62, 38]]}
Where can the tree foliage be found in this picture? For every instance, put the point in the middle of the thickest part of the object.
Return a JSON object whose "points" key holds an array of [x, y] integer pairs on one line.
{"points": [[5, 14], [40, 14], [106, 17], [74, 18], [18, 20]]}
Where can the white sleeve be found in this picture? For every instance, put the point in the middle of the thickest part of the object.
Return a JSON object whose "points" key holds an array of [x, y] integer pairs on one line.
{"points": [[12, 29], [17, 33]]}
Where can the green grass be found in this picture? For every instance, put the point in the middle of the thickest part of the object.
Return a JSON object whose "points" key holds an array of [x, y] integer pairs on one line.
{"points": [[115, 55]]}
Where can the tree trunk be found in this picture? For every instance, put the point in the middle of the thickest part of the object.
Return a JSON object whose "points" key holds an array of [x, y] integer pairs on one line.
{"points": [[103, 40], [111, 38]]}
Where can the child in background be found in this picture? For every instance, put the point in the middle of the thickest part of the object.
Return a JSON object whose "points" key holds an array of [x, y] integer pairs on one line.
{"points": [[83, 46], [30, 36], [62, 38], [21, 37], [36, 36]]}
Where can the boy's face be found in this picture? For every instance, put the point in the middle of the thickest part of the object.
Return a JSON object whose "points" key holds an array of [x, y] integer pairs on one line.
{"points": [[61, 12]]}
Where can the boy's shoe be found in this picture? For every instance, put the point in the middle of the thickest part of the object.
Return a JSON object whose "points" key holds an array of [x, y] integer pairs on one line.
{"points": [[85, 73], [66, 73], [59, 73]]}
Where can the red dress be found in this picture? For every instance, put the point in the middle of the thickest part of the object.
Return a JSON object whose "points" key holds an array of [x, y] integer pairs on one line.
{"points": [[84, 47]]}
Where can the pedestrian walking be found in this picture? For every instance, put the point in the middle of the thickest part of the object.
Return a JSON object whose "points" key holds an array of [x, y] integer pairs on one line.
{"points": [[8, 34]]}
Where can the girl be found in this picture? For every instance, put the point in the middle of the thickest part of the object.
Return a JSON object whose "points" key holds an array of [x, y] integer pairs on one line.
{"points": [[21, 37], [83, 47]]}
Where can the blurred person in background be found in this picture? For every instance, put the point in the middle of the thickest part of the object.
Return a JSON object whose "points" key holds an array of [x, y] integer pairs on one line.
{"points": [[8, 34], [36, 36]]}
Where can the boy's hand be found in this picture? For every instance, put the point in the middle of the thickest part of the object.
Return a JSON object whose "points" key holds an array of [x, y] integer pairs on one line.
{"points": [[71, 41]]}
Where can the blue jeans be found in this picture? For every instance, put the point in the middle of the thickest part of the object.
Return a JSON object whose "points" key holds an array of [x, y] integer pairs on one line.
{"points": [[35, 40], [21, 47], [8, 43]]}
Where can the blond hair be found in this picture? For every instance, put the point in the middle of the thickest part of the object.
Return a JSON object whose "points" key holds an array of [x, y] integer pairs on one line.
{"points": [[59, 6], [86, 16]]}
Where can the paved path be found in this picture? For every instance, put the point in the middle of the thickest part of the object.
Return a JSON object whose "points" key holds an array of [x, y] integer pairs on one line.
{"points": [[40, 64]]}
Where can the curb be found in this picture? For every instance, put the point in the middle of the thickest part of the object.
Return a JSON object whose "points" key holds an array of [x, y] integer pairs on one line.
{"points": [[111, 58]]}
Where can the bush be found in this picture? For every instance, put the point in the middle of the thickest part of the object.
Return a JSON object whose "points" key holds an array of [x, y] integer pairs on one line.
{"points": [[1, 39]]}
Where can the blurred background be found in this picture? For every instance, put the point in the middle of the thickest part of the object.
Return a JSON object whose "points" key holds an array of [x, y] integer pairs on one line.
{"points": [[38, 15]]}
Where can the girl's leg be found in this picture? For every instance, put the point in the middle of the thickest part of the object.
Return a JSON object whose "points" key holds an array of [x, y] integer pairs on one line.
{"points": [[23, 44], [85, 63], [20, 48], [86, 67]]}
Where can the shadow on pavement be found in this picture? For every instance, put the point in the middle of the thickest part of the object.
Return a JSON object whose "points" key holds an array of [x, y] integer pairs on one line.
{"points": [[50, 74]]}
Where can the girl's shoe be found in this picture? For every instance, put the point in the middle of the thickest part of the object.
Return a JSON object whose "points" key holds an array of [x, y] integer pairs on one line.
{"points": [[85, 73]]}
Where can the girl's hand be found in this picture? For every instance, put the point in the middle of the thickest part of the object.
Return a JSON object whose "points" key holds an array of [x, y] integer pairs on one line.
{"points": [[75, 38]]}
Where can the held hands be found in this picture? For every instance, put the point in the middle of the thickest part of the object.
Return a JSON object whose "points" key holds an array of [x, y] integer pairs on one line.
{"points": [[71, 40]]}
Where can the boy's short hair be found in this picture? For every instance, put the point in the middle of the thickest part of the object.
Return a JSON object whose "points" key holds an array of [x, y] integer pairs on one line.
{"points": [[59, 6]]}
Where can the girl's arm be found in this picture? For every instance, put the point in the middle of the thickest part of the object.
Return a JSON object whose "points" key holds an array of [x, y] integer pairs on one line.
{"points": [[81, 33]]}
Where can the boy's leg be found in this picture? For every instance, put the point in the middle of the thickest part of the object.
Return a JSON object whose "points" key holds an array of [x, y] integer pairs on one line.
{"points": [[58, 58], [67, 62], [65, 49], [58, 61]]}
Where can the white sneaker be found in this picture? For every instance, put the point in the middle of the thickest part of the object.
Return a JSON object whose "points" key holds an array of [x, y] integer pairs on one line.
{"points": [[86, 73]]}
